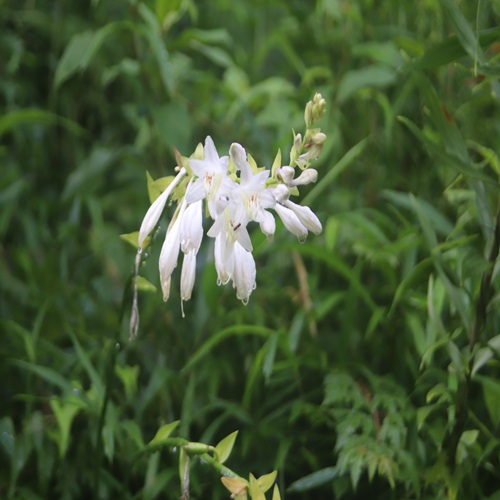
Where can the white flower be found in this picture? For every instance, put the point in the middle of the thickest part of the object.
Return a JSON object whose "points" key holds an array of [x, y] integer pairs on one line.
{"points": [[170, 253], [252, 192], [291, 221], [244, 272], [306, 177], [191, 234], [154, 212], [188, 274], [212, 181], [306, 216]]}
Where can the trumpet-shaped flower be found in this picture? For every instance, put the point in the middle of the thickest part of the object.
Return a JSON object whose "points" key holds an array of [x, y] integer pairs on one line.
{"points": [[253, 193], [233, 201], [212, 181]]}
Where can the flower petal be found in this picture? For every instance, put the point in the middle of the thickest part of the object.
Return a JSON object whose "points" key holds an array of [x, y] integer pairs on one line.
{"points": [[188, 275], [291, 221], [306, 216], [244, 273]]}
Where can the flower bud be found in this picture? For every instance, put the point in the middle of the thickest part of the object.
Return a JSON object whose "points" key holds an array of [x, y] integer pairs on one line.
{"points": [[306, 216], [308, 114], [297, 142], [318, 108], [306, 177], [318, 138], [281, 193], [286, 173]]}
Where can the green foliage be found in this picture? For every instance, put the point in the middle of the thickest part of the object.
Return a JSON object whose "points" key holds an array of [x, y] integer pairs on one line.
{"points": [[367, 361]]}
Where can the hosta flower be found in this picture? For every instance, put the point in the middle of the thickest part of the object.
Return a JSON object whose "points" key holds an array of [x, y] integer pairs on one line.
{"points": [[212, 181], [191, 234], [233, 201], [252, 192]]}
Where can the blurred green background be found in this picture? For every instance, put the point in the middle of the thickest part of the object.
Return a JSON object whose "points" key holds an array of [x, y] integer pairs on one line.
{"points": [[367, 360]]}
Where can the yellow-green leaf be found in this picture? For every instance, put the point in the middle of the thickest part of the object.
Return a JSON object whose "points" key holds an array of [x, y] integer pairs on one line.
{"points": [[164, 432], [224, 447], [267, 480]]}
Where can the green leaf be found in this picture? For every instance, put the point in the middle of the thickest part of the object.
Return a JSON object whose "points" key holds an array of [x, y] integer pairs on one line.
{"points": [[464, 31], [144, 285], [314, 480], [80, 50], [48, 374], [134, 432], [335, 171], [450, 50], [224, 447], [152, 32], [370, 76], [267, 480], [132, 239], [254, 489], [212, 342], [28, 116], [128, 375], [491, 391], [276, 493], [164, 432], [65, 412]]}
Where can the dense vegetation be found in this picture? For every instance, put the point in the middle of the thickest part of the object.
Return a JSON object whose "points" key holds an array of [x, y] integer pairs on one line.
{"points": [[367, 360]]}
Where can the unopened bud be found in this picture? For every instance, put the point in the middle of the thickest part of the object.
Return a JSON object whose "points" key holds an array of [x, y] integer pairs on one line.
{"points": [[318, 138], [281, 193], [297, 142], [308, 114], [318, 108], [286, 173], [306, 177]]}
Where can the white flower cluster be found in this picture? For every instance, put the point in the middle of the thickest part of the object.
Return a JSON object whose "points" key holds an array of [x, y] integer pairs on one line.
{"points": [[236, 192]]}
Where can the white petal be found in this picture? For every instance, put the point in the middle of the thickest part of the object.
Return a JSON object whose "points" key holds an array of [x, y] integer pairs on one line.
{"points": [[306, 177], [286, 173], [306, 216], [223, 255], [281, 193], [191, 228], [244, 273], [196, 191], [291, 221], [210, 151], [169, 253], [154, 211], [188, 275], [267, 223], [239, 155]]}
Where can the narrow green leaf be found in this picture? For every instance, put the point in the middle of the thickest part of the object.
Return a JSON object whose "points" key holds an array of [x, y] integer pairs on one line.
{"points": [[375, 75], [48, 374], [212, 342], [84, 359], [491, 391], [335, 171], [464, 31], [224, 447], [28, 116], [314, 480], [152, 32], [164, 432]]}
